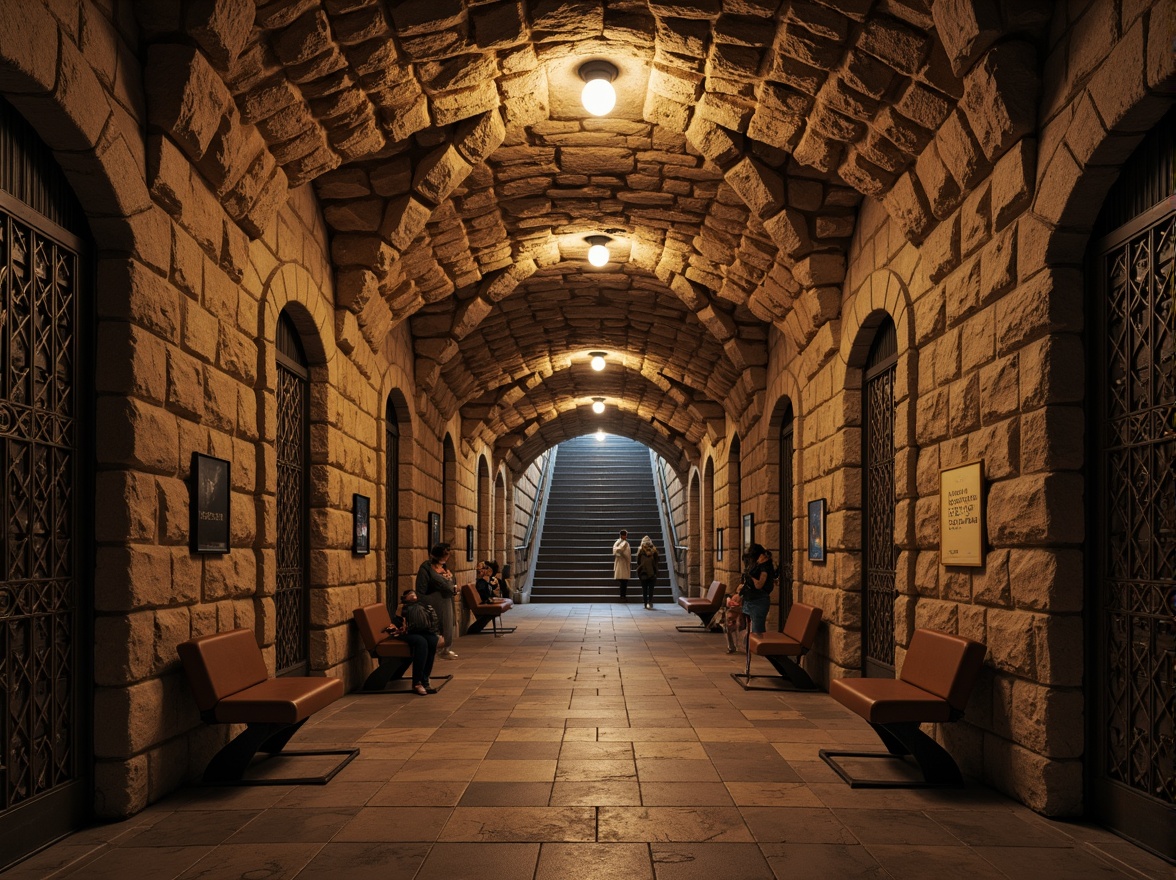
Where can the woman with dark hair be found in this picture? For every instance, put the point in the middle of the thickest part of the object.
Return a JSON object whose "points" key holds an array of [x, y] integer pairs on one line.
{"points": [[436, 586], [489, 584], [647, 570], [758, 577]]}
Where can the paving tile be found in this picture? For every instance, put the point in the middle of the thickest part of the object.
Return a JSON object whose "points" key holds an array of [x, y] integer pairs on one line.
{"points": [[141, 863], [594, 771], [706, 861], [669, 770], [518, 824], [307, 824], [412, 824], [523, 751], [437, 770], [445, 751], [896, 827], [474, 861], [683, 751], [685, 794], [422, 794], [597, 751], [1000, 827], [773, 826], [1034, 863], [684, 824], [820, 861], [366, 861], [506, 794], [772, 794], [618, 793], [278, 861], [594, 861], [516, 771], [336, 794], [192, 828]]}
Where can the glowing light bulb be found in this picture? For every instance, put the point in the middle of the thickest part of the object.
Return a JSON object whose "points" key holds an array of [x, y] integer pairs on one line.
{"points": [[597, 363], [600, 436], [598, 407], [598, 255], [598, 97]]}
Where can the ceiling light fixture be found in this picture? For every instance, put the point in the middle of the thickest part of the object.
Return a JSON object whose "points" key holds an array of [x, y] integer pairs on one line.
{"points": [[598, 361], [600, 435], [598, 254], [598, 405], [599, 96]]}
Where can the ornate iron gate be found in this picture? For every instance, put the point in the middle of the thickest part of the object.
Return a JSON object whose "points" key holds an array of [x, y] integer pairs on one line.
{"points": [[292, 595], [392, 511], [787, 448], [44, 593], [879, 552], [1134, 728]]}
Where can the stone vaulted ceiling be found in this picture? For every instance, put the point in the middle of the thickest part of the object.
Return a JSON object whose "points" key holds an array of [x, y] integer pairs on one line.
{"points": [[459, 176]]}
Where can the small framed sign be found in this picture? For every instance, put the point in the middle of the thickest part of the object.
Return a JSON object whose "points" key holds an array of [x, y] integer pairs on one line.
{"points": [[210, 493], [961, 515], [469, 543], [719, 543], [360, 524], [748, 531], [434, 529], [816, 530]]}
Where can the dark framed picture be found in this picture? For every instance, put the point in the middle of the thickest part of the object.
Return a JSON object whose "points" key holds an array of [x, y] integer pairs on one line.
{"points": [[816, 530], [361, 507], [434, 529], [209, 504], [719, 543], [469, 543], [748, 531]]}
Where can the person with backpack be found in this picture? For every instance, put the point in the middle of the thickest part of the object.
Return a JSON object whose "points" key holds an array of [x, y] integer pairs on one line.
{"points": [[759, 576]]}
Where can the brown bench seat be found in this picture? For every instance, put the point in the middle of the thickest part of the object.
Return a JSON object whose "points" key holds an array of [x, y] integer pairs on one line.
{"points": [[780, 649], [706, 607], [392, 655], [484, 612], [936, 681], [232, 686]]}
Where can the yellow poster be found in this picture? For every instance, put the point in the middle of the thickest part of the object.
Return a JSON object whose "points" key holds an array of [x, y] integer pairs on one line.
{"points": [[961, 515]]}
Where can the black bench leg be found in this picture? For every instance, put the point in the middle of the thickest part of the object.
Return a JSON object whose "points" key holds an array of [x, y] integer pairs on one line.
{"points": [[228, 766], [478, 625], [705, 617], [938, 767], [794, 672], [387, 669]]}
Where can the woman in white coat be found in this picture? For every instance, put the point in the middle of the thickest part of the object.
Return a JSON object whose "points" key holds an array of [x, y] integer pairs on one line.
{"points": [[622, 562]]}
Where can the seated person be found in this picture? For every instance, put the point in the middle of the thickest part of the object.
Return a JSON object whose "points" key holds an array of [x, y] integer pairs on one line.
{"points": [[418, 625], [489, 586]]}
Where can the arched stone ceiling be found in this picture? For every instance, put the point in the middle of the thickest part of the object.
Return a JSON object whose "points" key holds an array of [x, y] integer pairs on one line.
{"points": [[453, 162]]}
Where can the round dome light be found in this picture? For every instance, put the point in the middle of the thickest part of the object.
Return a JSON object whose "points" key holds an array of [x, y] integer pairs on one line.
{"points": [[600, 435], [598, 255], [598, 407], [597, 363], [598, 97]]}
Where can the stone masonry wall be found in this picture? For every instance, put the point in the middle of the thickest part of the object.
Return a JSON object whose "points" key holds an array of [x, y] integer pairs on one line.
{"points": [[526, 488]]}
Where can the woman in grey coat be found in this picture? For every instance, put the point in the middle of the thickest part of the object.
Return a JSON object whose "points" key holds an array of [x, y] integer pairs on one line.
{"points": [[436, 585]]}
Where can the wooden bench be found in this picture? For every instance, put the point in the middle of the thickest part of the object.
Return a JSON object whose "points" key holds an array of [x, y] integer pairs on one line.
{"points": [[937, 678], [706, 607], [232, 686], [484, 612], [392, 656], [800, 632]]}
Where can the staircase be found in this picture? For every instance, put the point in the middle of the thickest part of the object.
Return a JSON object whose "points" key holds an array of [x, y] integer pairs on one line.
{"points": [[598, 488]]}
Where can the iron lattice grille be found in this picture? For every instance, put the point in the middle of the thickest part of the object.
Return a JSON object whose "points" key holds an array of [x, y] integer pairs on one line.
{"points": [[1138, 463], [786, 548], [392, 518], [880, 552], [38, 440], [290, 598]]}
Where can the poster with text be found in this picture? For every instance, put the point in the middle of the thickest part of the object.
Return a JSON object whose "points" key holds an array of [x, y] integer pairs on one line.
{"points": [[961, 526]]}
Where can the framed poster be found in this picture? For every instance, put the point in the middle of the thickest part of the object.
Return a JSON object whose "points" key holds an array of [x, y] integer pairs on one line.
{"points": [[748, 531], [209, 504], [469, 543], [434, 530], [816, 530], [719, 543], [961, 515], [360, 524]]}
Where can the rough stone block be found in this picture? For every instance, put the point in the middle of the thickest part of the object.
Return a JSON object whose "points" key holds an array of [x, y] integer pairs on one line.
{"points": [[1012, 183], [960, 152], [999, 389], [1052, 439], [1047, 579], [967, 28], [221, 27], [1036, 509], [185, 97], [1047, 303], [1000, 97], [404, 220], [907, 204], [479, 137], [761, 189]]}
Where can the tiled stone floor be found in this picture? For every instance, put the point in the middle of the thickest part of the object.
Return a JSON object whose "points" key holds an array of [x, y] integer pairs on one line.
{"points": [[596, 742]]}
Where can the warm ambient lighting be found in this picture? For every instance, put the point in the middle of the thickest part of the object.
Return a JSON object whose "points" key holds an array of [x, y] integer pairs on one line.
{"points": [[597, 251], [600, 435], [598, 405], [597, 360], [598, 97]]}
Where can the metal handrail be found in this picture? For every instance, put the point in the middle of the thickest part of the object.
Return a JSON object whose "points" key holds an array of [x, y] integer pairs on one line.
{"points": [[679, 549], [522, 553]]}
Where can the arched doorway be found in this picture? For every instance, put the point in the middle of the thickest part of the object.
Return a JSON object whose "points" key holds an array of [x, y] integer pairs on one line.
{"points": [[693, 538], [392, 504], [735, 504], [879, 554], [502, 525], [449, 492], [1132, 483], [785, 492], [483, 546], [706, 526], [292, 595], [45, 449]]}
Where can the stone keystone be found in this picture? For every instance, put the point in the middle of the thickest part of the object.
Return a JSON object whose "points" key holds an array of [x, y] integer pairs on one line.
{"points": [[789, 230], [477, 138], [761, 188], [439, 174]]}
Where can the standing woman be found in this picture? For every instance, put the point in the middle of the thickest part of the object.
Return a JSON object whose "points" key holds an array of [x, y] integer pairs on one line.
{"points": [[622, 562], [647, 570], [758, 577], [436, 586]]}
